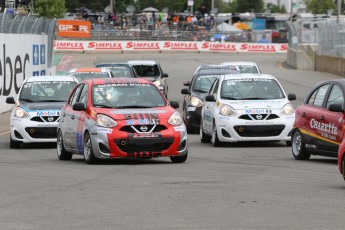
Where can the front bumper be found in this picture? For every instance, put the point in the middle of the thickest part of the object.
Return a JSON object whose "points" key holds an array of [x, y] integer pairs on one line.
{"points": [[27, 131], [234, 130], [118, 144], [193, 116]]}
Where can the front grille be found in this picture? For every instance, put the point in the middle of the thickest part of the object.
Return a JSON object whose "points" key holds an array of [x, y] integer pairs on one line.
{"points": [[150, 128], [259, 130], [41, 132], [132, 145], [254, 116], [46, 119]]}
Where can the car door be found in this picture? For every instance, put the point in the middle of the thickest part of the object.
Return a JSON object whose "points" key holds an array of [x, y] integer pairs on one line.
{"points": [[210, 108], [309, 117], [68, 115], [78, 122], [331, 123]]}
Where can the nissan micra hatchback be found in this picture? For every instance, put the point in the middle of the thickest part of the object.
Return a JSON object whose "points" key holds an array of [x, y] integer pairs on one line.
{"points": [[121, 118], [246, 107], [37, 109]]}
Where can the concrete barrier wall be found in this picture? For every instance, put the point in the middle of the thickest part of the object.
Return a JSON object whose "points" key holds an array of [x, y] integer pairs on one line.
{"points": [[334, 65]]}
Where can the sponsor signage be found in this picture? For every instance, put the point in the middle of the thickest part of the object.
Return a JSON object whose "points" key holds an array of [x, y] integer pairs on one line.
{"points": [[74, 28], [169, 46], [20, 62]]}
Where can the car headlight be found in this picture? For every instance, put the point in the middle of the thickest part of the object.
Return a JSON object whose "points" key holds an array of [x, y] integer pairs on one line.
{"points": [[287, 109], [175, 119], [21, 113], [157, 83], [105, 121], [196, 102], [226, 110]]}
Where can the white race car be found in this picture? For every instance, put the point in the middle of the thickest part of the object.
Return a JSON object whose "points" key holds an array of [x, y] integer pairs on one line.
{"points": [[36, 111], [243, 66], [247, 107]]}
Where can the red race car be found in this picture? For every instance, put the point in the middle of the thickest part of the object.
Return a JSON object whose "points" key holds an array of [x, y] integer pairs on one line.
{"points": [[319, 124], [120, 118]]}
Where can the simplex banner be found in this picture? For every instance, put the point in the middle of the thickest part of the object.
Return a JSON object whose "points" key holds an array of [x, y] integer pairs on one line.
{"points": [[60, 45]]}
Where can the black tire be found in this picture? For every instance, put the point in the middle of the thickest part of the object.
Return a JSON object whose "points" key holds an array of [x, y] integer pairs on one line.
{"points": [[179, 159], [62, 153], [298, 150], [14, 144], [204, 138], [288, 143], [215, 141], [89, 156], [343, 167]]}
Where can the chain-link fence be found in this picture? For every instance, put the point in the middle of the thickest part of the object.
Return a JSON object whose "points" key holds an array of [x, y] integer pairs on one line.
{"points": [[329, 35], [332, 39], [22, 24]]}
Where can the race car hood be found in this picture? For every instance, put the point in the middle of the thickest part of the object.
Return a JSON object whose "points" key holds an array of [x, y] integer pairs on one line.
{"points": [[161, 114], [256, 104], [42, 105]]}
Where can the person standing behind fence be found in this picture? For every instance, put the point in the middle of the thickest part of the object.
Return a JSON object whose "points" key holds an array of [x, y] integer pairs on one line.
{"points": [[101, 21], [150, 24]]}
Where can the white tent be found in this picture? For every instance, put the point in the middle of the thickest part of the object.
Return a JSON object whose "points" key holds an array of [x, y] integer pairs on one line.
{"points": [[225, 27]]}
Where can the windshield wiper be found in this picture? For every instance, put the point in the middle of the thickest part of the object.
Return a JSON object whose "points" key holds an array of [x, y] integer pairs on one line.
{"points": [[229, 98], [200, 91], [53, 100], [103, 106], [26, 99], [134, 107], [254, 98]]}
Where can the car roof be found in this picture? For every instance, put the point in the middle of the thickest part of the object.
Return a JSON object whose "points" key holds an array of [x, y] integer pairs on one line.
{"points": [[89, 70], [248, 75], [239, 63], [216, 72], [142, 62], [51, 78], [118, 80], [99, 65]]}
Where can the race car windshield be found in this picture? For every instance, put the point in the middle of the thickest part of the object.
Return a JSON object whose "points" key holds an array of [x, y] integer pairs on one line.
{"points": [[127, 95], [203, 83], [46, 91], [251, 89], [83, 76], [118, 70], [247, 69], [150, 71]]}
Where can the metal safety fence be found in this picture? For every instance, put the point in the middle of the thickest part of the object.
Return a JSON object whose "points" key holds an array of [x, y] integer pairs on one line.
{"points": [[23, 24], [328, 35]]}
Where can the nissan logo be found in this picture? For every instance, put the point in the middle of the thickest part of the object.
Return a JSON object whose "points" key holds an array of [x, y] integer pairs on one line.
{"points": [[143, 128], [259, 116]]}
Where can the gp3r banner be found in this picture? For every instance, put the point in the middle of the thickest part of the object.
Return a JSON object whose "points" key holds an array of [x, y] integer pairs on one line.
{"points": [[74, 28]]}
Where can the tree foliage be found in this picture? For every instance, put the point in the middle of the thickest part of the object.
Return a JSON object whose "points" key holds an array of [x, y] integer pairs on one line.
{"points": [[49, 8], [275, 8], [255, 6], [172, 5], [320, 6]]}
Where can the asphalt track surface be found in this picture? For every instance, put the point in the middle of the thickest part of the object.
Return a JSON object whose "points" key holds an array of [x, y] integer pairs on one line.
{"points": [[257, 185]]}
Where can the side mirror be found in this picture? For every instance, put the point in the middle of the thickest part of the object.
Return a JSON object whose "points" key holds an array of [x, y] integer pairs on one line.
{"points": [[10, 100], [336, 108], [79, 106], [174, 104], [186, 83], [185, 91], [210, 98], [165, 75], [291, 96]]}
